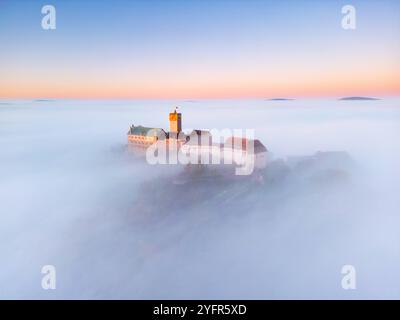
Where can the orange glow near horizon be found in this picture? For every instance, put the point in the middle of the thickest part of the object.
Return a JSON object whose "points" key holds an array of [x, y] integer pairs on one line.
{"points": [[379, 84], [244, 49], [246, 79]]}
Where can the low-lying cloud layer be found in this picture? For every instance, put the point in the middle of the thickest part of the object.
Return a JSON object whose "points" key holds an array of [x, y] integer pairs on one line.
{"points": [[115, 227]]}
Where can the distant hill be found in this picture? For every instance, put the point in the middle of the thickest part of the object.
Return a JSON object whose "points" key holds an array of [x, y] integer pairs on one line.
{"points": [[43, 100], [358, 99], [280, 99]]}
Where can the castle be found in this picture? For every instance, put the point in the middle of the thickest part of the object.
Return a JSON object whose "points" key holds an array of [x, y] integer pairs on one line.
{"points": [[198, 144], [142, 137]]}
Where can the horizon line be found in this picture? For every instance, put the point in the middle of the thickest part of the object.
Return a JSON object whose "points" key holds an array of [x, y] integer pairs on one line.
{"points": [[271, 98]]}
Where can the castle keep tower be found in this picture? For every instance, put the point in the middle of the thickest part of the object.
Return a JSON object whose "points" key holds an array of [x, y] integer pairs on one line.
{"points": [[175, 121]]}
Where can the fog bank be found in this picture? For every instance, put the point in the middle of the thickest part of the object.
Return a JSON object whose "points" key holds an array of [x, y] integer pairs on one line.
{"points": [[115, 227]]}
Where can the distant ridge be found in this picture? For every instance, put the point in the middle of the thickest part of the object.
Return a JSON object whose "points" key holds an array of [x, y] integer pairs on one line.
{"points": [[358, 99], [280, 99], [43, 100]]}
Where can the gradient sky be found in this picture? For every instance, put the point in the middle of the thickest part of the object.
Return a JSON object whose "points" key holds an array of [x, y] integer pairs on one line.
{"points": [[199, 49]]}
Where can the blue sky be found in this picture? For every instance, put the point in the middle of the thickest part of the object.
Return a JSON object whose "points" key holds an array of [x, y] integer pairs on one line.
{"points": [[198, 48]]}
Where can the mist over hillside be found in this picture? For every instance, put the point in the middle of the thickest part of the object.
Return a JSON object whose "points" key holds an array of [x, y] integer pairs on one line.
{"points": [[116, 227]]}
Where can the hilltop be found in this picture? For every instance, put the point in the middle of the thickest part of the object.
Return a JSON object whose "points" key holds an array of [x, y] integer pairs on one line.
{"points": [[358, 99]]}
